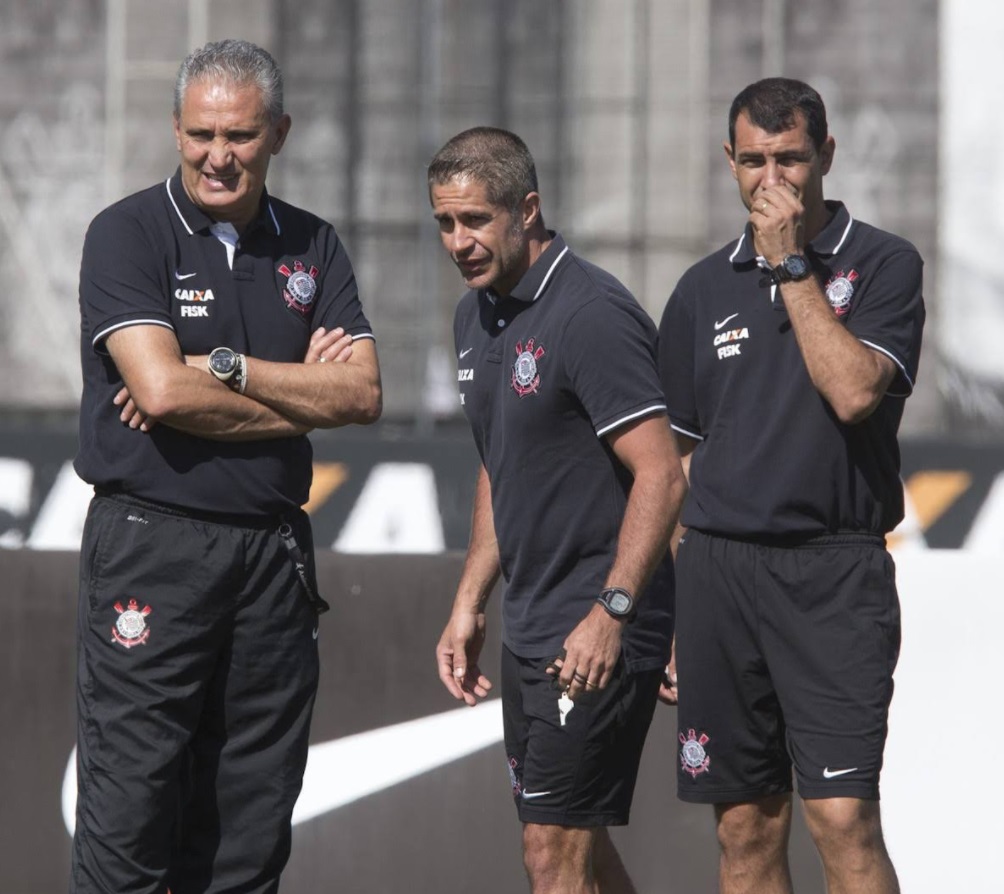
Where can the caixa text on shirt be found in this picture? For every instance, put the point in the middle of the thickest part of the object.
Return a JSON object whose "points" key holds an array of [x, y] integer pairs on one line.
{"points": [[723, 339]]}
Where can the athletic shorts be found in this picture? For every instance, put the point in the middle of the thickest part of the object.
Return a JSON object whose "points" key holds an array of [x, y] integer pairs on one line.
{"points": [[196, 674], [785, 659], [574, 763]]}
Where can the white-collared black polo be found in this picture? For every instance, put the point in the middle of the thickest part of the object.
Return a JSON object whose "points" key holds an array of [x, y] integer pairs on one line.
{"points": [[544, 374], [155, 259], [774, 460]]}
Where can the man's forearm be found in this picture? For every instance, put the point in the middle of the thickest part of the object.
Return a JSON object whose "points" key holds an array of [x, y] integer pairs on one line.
{"points": [[481, 567], [848, 374], [650, 517], [320, 395], [214, 412]]}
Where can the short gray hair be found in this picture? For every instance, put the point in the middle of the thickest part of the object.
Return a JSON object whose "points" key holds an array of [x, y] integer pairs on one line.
{"points": [[238, 62]]}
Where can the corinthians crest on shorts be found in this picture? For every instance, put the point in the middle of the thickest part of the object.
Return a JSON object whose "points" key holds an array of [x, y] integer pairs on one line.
{"points": [[130, 628], [693, 758], [301, 286], [840, 290], [525, 376]]}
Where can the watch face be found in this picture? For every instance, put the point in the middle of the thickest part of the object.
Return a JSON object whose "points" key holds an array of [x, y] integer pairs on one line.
{"points": [[796, 266], [223, 362], [620, 603]]}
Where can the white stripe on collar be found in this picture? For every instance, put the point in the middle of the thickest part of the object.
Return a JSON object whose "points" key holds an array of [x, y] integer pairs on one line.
{"points": [[844, 235], [547, 275], [181, 216], [738, 247], [167, 183]]}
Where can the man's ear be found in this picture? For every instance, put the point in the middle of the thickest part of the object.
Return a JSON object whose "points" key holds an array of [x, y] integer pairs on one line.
{"points": [[280, 130], [531, 210], [826, 154], [727, 146]]}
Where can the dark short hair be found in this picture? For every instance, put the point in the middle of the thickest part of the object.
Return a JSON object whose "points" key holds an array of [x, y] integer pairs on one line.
{"points": [[237, 62], [492, 156], [773, 105]]}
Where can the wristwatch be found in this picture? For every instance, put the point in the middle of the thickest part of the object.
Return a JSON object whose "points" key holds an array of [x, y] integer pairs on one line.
{"points": [[618, 603], [230, 367], [791, 269], [223, 363]]}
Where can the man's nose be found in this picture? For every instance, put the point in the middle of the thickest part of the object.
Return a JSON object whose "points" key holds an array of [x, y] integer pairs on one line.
{"points": [[220, 154], [773, 174], [460, 240]]}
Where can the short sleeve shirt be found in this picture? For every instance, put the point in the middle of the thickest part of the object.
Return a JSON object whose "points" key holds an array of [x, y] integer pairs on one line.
{"points": [[543, 375], [154, 259], [773, 459]]}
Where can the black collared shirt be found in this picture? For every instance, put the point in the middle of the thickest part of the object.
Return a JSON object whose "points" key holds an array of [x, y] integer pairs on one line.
{"points": [[154, 259], [773, 459], [544, 374]]}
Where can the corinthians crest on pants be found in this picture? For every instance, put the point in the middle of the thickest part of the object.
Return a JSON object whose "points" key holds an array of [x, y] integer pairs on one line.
{"points": [[301, 286], [130, 629], [693, 758], [525, 377]]}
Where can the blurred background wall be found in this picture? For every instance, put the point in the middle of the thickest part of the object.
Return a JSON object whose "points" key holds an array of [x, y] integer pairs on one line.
{"points": [[622, 102]]}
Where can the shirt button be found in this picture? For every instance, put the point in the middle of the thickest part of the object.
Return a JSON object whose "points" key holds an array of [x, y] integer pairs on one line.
{"points": [[501, 323]]}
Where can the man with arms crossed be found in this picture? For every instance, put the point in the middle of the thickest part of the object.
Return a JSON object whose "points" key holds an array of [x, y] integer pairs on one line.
{"points": [[786, 358], [577, 495], [209, 312]]}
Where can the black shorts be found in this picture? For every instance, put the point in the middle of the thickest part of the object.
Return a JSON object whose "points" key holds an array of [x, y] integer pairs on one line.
{"points": [[574, 766], [197, 670], [785, 659]]}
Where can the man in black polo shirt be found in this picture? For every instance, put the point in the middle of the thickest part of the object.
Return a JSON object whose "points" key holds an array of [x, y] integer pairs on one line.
{"points": [[786, 358], [577, 494], [209, 311]]}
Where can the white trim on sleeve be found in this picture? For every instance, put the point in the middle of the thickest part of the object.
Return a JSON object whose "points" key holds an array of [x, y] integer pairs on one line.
{"points": [[648, 411], [104, 333]]}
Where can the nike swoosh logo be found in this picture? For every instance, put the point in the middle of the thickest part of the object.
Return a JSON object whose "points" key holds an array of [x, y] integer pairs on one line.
{"points": [[529, 796], [829, 774], [464, 353], [345, 770], [723, 322], [178, 275]]}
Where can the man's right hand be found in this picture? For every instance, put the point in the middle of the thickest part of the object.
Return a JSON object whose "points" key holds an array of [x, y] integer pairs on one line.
{"points": [[669, 692], [457, 657]]}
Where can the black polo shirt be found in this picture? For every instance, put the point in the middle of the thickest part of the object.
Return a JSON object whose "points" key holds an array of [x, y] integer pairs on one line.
{"points": [[155, 259], [544, 374], [773, 459]]}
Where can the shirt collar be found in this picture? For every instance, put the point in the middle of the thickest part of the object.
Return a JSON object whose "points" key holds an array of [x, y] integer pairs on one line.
{"points": [[534, 282], [829, 241], [194, 219]]}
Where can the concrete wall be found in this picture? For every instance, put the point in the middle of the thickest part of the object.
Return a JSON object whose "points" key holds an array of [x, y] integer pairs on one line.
{"points": [[623, 103]]}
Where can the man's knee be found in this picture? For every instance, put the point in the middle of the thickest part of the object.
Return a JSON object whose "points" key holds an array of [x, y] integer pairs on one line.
{"points": [[553, 855], [754, 829], [844, 825]]}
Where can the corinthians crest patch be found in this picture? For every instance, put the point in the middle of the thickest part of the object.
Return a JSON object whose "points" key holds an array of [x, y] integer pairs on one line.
{"points": [[693, 758], [301, 286], [130, 629], [840, 290], [525, 376]]}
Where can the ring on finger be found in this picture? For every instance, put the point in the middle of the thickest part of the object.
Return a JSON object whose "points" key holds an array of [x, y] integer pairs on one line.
{"points": [[579, 677], [590, 683], [322, 360]]}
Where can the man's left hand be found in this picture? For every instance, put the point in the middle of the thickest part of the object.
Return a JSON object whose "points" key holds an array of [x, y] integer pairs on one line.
{"points": [[591, 653]]}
